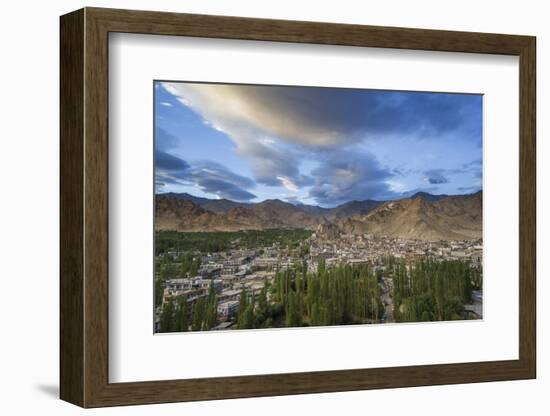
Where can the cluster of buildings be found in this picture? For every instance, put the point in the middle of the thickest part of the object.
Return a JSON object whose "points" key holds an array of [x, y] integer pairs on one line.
{"points": [[372, 249], [229, 274], [232, 272]]}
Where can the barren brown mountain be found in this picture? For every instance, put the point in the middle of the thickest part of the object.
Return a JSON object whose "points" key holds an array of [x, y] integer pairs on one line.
{"points": [[184, 215], [423, 216], [175, 213], [450, 218]]}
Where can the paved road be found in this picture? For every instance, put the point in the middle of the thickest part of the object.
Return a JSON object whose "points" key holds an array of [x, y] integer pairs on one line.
{"points": [[386, 287], [477, 303]]}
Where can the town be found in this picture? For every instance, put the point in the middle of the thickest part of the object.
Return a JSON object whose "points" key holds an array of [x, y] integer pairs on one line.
{"points": [[198, 289]]}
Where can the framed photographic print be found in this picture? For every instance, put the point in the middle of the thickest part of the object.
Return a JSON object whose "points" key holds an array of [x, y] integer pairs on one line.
{"points": [[261, 207]]}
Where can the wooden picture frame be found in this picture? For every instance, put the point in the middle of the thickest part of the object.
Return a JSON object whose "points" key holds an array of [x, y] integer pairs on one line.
{"points": [[84, 207]]}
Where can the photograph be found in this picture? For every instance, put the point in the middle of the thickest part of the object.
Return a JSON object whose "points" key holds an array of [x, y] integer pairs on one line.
{"points": [[309, 206]]}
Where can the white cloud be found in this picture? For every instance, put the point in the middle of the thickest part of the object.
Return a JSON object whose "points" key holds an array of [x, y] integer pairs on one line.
{"points": [[166, 104], [396, 186], [249, 123], [283, 113], [280, 130], [346, 176], [288, 184]]}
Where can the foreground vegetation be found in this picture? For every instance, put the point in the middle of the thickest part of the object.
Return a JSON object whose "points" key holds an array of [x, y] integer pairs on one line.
{"points": [[211, 242], [426, 290], [175, 317], [391, 290], [423, 291], [430, 290], [340, 295], [190, 246]]}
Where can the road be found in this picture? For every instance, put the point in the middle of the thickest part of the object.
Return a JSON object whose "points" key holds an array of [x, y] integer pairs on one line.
{"points": [[477, 304], [386, 287]]}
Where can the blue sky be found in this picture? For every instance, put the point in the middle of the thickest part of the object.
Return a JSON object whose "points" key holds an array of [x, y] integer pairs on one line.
{"points": [[320, 146]]}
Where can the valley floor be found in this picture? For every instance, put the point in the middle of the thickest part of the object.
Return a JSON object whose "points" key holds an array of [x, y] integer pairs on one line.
{"points": [[286, 278]]}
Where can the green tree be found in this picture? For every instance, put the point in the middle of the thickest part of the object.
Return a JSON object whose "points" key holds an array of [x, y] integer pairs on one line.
{"points": [[243, 305], [167, 317], [262, 299], [321, 266], [315, 315], [182, 324], [247, 320], [198, 314], [159, 291], [431, 290], [210, 318]]}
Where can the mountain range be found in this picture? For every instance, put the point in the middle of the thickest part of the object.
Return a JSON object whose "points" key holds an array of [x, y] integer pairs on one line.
{"points": [[422, 216]]}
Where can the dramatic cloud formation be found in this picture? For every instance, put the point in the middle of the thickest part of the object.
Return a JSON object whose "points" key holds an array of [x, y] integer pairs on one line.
{"points": [[325, 117], [436, 176], [346, 176], [166, 162], [315, 117], [217, 179], [254, 118], [164, 141], [322, 145], [210, 177], [272, 165]]}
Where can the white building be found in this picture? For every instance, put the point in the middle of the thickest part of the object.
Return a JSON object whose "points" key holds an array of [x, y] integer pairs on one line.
{"points": [[228, 308]]}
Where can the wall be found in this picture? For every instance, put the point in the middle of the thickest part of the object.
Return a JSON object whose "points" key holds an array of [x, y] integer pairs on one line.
{"points": [[29, 209]]}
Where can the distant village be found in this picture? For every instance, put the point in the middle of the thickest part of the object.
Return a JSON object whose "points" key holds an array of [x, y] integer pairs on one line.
{"points": [[235, 271]]}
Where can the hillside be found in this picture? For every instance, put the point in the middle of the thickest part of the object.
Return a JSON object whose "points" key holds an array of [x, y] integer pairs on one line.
{"points": [[185, 215], [423, 216], [448, 218], [176, 213]]}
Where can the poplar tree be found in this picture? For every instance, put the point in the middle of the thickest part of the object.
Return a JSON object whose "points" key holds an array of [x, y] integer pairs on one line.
{"points": [[211, 309], [262, 299], [431, 290], [159, 290], [182, 315], [167, 317], [243, 304], [247, 321], [198, 315]]}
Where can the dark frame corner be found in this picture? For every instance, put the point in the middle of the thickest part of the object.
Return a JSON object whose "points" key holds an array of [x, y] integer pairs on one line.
{"points": [[84, 207]]}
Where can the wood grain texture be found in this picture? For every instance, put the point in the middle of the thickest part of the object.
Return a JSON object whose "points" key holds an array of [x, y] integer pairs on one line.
{"points": [[96, 208], [84, 207], [527, 208], [225, 27], [71, 100]]}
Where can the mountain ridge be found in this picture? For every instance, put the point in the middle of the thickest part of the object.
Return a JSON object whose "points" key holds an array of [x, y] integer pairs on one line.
{"points": [[453, 217], [421, 216]]}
